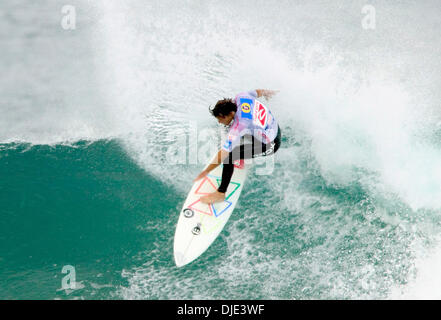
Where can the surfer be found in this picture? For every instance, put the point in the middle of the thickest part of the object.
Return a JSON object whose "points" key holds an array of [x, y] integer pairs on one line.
{"points": [[244, 115]]}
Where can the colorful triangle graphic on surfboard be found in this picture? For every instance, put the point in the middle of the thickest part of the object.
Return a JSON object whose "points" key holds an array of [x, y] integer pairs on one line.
{"points": [[239, 164], [201, 207], [206, 187], [216, 213], [231, 193]]}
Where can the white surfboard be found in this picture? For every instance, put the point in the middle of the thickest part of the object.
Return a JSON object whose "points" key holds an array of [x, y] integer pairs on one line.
{"points": [[199, 224]]}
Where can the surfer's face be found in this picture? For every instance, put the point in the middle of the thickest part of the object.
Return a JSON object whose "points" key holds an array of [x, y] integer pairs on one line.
{"points": [[226, 120]]}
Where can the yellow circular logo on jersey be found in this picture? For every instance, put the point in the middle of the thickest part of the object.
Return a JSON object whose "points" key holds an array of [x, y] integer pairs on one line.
{"points": [[246, 107]]}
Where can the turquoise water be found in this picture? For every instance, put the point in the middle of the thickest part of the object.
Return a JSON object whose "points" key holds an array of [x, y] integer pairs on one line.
{"points": [[90, 206], [85, 205], [103, 128]]}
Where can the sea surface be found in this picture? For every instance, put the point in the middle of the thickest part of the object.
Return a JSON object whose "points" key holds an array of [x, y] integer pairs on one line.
{"points": [[104, 124]]}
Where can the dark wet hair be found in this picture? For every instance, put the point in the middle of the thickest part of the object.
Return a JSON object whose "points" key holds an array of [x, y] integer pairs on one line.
{"points": [[223, 108]]}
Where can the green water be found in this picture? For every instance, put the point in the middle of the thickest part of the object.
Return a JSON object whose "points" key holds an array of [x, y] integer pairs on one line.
{"points": [[89, 206], [82, 205], [353, 203]]}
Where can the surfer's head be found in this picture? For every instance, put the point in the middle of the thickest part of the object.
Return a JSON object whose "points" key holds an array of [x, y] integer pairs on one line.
{"points": [[224, 111]]}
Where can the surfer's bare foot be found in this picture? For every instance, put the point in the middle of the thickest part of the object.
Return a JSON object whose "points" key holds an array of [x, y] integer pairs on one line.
{"points": [[213, 197]]}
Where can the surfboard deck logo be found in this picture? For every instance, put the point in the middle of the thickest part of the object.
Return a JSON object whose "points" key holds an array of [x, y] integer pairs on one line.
{"points": [[199, 224]]}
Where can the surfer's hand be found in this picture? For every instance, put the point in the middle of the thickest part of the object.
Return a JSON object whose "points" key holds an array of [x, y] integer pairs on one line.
{"points": [[267, 94], [200, 176]]}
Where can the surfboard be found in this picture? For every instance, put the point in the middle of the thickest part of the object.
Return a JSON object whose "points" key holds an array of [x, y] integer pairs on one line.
{"points": [[199, 224]]}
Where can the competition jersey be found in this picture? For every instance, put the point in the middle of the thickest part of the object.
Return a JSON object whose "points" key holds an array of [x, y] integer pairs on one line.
{"points": [[252, 118]]}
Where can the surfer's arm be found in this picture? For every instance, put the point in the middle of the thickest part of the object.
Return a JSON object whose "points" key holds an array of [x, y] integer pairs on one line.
{"points": [[266, 93], [217, 160]]}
